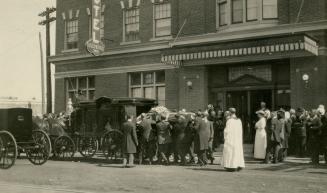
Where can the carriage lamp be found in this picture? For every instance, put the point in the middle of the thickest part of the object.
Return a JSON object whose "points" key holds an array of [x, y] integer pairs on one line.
{"points": [[189, 84]]}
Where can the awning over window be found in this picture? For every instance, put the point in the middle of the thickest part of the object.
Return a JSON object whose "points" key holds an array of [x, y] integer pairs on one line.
{"points": [[256, 49]]}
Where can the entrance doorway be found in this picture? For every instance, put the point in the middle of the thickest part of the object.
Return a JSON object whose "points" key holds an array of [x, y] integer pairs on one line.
{"points": [[247, 103]]}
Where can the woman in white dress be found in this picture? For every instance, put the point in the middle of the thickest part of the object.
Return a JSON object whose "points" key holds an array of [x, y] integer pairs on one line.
{"points": [[260, 143], [233, 158]]}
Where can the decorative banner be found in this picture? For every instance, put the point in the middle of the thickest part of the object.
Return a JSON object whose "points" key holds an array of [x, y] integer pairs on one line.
{"points": [[95, 45]]}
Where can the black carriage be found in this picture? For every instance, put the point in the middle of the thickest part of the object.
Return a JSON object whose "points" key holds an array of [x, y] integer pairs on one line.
{"points": [[17, 135], [99, 123]]}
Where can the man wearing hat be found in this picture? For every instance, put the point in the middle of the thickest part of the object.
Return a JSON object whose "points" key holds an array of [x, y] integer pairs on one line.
{"points": [[299, 132], [277, 137]]}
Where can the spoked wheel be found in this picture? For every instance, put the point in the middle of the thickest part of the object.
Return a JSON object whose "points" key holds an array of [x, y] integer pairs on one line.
{"points": [[112, 145], [88, 146], [64, 147], [39, 153], [8, 150]]}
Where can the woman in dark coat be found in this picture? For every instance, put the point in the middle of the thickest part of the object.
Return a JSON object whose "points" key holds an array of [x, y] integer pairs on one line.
{"points": [[130, 142]]}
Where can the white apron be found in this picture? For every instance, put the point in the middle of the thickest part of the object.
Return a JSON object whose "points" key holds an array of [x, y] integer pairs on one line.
{"points": [[260, 143]]}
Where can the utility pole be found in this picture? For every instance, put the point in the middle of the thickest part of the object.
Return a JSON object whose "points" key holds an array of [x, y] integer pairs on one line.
{"points": [[46, 22], [42, 74]]}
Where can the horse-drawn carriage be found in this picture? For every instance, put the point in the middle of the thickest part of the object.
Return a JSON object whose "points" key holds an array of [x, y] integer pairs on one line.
{"points": [[99, 123], [17, 135]]}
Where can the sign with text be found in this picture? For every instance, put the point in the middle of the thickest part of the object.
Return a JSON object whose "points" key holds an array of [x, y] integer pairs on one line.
{"points": [[95, 45]]}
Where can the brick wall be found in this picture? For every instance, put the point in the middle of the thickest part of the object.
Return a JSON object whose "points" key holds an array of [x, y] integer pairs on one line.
{"points": [[172, 89], [313, 93], [311, 10], [112, 85], [196, 97], [60, 95]]}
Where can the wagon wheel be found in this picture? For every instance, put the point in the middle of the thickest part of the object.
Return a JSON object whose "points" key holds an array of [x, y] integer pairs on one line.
{"points": [[112, 145], [88, 146], [40, 152], [64, 147], [8, 150]]}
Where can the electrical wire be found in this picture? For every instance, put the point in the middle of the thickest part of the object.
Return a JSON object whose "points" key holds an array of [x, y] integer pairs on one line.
{"points": [[299, 12]]}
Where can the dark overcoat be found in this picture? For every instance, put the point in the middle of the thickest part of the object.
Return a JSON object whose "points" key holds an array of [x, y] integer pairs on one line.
{"points": [[201, 141], [278, 125], [130, 141], [287, 132], [163, 131]]}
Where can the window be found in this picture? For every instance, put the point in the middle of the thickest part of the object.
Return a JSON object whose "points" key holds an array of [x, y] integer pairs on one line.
{"points": [[162, 19], [251, 10], [148, 85], [222, 13], [269, 9], [132, 23], [71, 34], [82, 88], [259, 71], [237, 11]]}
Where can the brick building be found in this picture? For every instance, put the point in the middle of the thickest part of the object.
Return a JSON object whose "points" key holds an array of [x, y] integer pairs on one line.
{"points": [[188, 53]]}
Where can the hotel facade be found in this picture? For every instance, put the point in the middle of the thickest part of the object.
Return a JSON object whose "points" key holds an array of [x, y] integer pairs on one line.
{"points": [[190, 53]]}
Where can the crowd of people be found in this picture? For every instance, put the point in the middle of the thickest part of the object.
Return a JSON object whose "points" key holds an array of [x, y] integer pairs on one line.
{"points": [[299, 132], [183, 137], [186, 136]]}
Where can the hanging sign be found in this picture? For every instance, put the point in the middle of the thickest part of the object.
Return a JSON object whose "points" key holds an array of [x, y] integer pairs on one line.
{"points": [[95, 45]]}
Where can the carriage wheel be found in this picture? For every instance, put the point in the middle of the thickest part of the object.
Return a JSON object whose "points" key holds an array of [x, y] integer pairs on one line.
{"points": [[40, 153], [8, 150], [64, 147], [112, 145], [88, 146]]}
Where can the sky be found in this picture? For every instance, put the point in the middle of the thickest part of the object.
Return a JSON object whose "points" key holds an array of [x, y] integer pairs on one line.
{"points": [[20, 63]]}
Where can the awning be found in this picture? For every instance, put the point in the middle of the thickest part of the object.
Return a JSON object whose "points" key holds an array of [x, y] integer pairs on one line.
{"points": [[251, 50]]}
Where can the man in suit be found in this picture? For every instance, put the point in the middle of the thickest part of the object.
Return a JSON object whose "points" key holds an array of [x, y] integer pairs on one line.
{"points": [[277, 127], [130, 141], [146, 137], [299, 132], [164, 139], [211, 130], [314, 125], [201, 141]]}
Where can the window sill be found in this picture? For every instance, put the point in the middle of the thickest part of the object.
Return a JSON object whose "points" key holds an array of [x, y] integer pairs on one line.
{"points": [[247, 25], [70, 50], [130, 42], [161, 38]]}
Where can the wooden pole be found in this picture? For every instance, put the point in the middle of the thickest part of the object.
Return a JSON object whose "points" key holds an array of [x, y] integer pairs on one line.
{"points": [[42, 74]]}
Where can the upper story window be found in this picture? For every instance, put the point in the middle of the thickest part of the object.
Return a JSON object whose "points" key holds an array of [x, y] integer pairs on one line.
{"points": [[71, 40], [132, 24], [222, 6], [162, 19], [269, 9], [251, 10], [237, 11], [242, 11]]}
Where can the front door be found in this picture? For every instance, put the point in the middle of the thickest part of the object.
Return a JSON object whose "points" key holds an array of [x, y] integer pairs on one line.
{"points": [[246, 104]]}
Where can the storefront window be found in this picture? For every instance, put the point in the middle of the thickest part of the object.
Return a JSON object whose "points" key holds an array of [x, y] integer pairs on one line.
{"points": [[269, 9], [222, 13], [148, 85], [251, 10], [82, 88]]}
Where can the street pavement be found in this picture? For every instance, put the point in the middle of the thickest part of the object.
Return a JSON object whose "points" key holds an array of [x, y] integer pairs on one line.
{"points": [[99, 176]]}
